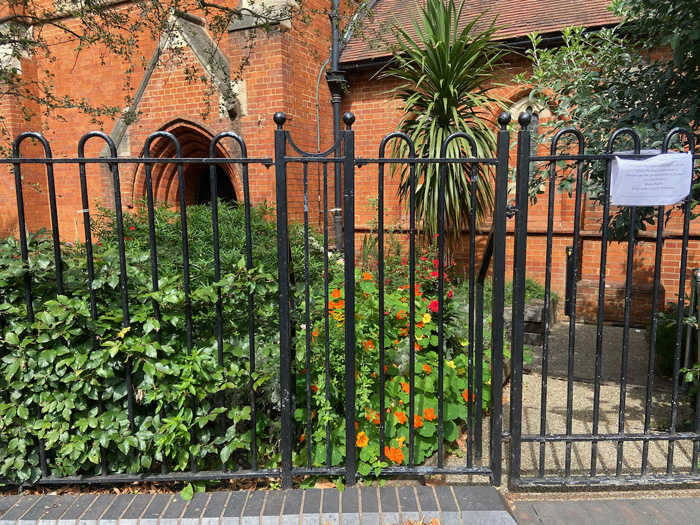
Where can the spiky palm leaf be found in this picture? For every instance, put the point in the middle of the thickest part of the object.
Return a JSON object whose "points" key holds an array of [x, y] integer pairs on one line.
{"points": [[445, 74]]}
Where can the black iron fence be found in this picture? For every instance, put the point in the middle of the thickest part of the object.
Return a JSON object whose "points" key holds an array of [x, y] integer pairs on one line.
{"points": [[193, 377], [156, 348], [597, 427]]}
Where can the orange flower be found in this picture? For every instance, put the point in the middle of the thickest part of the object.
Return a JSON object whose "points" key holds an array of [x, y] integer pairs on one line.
{"points": [[417, 421], [314, 388], [373, 417], [405, 387], [331, 305], [465, 395], [401, 314], [367, 276], [362, 440], [302, 438], [339, 303], [369, 345], [400, 417], [394, 454], [427, 368], [335, 294], [314, 333], [429, 414]]}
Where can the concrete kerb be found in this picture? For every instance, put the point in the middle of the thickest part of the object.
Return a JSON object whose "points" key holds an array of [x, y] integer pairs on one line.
{"points": [[456, 505]]}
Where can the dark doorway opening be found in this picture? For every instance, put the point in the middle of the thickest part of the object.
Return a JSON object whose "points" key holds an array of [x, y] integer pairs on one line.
{"points": [[224, 188]]}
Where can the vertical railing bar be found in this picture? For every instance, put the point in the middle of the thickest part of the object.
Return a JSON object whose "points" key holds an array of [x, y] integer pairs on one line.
{"points": [[626, 334], [572, 317], [441, 298], [24, 249], [600, 318], [476, 397], [217, 277], [307, 316], [25, 259], [652, 337], [471, 324], [54, 223], [349, 245], [283, 278], [213, 192], [150, 203], [186, 273], [499, 270], [326, 317], [412, 313], [518, 306], [90, 260], [251, 306], [547, 302], [681, 298], [380, 339], [690, 331]]}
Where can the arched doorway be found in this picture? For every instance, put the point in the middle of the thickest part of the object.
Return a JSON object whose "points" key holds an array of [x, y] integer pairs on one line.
{"points": [[224, 188], [195, 142]]}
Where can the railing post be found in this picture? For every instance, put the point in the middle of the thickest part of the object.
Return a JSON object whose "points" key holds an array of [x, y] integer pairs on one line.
{"points": [[522, 177], [499, 272], [283, 275], [349, 241]]}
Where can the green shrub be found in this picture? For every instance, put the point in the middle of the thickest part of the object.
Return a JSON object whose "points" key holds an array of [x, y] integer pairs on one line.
{"points": [[64, 375]]}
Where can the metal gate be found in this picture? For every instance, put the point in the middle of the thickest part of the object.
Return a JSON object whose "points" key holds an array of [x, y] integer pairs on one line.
{"points": [[603, 414]]}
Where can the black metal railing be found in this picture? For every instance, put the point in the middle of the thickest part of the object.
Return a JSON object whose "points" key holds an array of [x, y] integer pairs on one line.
{"points": [[546, 464], [305, 445], [316, 339]]}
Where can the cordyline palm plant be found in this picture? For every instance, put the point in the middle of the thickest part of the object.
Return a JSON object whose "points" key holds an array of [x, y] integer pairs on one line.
{"points": [[445, 74]]}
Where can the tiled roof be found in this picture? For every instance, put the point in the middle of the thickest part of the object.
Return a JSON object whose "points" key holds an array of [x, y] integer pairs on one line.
{"points": [[518, 18]]}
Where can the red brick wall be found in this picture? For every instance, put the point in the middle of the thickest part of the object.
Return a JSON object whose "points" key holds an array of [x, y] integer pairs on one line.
{"points": [[377, 115]]}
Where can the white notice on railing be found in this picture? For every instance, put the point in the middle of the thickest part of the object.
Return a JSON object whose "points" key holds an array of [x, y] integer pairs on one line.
{"points": [[662, 180]]}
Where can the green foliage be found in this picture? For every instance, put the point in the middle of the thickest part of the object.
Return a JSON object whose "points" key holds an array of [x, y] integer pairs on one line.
{"points": [[64, 375], [444, 79], [601, 81]]}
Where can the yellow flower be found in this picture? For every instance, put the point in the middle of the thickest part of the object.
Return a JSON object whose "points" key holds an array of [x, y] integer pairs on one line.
{"points": [[427, 318], [401, 440], [451, 364], [123, 332]]}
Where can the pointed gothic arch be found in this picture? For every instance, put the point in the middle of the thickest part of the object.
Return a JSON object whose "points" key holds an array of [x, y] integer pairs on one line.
{"points": [[195, 141]]}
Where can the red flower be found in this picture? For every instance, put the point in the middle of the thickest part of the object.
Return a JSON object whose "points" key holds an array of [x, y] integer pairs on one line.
{"points": [[450, 294], [433, 306], [132, 227], [434, 274]]}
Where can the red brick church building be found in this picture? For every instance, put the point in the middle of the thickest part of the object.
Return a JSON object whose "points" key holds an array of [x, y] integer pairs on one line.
{"points": [[284, 71]]}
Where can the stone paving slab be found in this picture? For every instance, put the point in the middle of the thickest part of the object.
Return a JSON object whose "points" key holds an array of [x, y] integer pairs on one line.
{"points": [[671, 511], [458, 505]]}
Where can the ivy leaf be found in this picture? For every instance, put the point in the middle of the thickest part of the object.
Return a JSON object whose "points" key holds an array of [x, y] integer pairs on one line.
{"points": [[187, 493]]}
